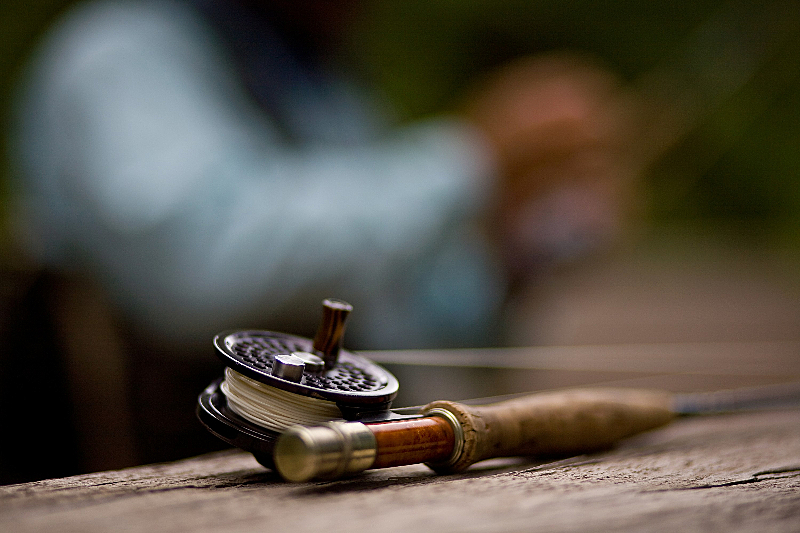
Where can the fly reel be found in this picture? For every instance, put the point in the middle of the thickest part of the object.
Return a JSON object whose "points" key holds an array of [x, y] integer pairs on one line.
{"points": [[274, 381]]}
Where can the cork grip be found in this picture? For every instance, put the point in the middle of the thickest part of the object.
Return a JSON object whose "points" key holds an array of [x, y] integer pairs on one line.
{"points": [[562, 422]]}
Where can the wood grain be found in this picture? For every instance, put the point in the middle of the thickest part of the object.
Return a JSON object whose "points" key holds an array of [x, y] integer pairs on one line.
{"points": [[412, 441], [733, 473]]}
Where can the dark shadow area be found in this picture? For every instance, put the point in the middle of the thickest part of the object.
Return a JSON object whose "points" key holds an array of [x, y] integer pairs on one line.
{"points": [[39, 438], [376, 479]]}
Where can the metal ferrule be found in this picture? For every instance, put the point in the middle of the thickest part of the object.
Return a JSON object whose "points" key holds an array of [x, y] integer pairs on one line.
{"points": [[458, 433], [324, 452]]}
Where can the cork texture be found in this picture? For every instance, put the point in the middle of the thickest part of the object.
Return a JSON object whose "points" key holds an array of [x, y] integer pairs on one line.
{"points": [[557, 423]]}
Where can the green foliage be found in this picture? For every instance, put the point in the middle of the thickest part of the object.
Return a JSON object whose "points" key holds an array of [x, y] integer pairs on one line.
{"points": [[740, 161]]}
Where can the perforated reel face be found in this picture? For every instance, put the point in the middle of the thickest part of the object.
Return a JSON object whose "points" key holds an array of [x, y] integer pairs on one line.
{"points": [[354, 381]]}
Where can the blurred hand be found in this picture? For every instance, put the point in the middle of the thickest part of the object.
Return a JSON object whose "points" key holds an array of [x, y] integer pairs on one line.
{"points": [[562, 128]]}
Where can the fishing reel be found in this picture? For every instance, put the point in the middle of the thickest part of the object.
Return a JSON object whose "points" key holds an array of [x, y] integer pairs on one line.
{"points": [[274, 381]]}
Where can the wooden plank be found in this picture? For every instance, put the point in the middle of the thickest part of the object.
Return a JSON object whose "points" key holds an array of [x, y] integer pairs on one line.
{"points": [[725, 473]]}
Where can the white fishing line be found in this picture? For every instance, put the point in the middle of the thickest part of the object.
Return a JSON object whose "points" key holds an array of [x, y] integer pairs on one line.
{"points": [[274, 408]]}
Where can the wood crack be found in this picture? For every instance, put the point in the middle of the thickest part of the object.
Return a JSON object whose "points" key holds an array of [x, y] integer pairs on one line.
{"points": [[758, 477]]}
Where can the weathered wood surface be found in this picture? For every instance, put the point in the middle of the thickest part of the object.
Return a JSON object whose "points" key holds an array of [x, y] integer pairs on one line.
{"points": [[725, 473]]}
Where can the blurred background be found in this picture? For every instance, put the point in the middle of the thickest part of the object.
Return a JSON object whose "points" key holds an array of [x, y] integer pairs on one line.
{"points": [[713, 255]]}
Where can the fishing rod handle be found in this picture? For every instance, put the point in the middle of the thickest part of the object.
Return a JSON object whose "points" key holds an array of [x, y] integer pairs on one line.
{"points": [[452, 436], [554, 423]]}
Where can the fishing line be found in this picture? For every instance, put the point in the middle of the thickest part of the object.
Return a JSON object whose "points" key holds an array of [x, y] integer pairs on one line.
{"points": [[273, 408]]}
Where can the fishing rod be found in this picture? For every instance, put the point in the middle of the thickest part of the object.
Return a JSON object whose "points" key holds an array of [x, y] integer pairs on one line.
{"points": [[312, 410]]}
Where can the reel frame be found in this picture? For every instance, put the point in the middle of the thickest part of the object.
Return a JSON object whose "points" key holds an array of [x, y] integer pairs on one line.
{"points": [[362, 390]]}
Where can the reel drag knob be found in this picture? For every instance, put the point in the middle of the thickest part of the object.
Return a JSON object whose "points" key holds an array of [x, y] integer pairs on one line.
{"points": [[313, 363], [289, 367], [292, 366]]}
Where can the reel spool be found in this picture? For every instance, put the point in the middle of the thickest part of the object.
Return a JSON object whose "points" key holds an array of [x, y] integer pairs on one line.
{"points": [[274, 380]]}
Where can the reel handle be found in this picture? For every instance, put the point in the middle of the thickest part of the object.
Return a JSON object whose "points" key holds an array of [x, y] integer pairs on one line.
{"points": [[329, 337]]}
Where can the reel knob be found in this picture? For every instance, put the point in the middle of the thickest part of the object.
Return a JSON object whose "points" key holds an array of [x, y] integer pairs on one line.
{"points": [[313, 363], [292, 366], [289, 367]]}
